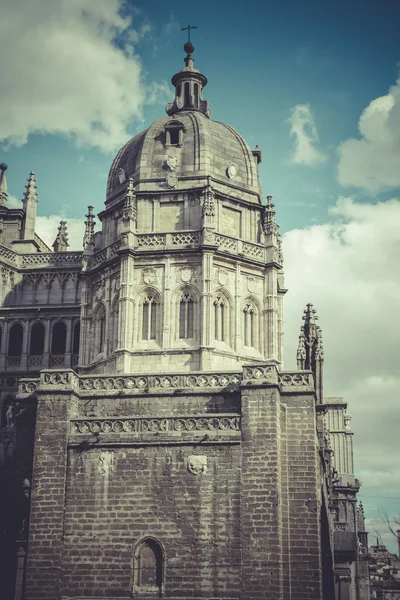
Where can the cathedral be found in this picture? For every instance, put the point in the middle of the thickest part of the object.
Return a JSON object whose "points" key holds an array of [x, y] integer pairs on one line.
{"points": [[152, 445]]}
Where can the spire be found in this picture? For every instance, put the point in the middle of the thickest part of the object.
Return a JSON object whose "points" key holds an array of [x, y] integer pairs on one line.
{"points": [[30, 201], [31, 188], [271, 228], [129, 211], [61, 242], [88, 238], [3, 184], [310, 353], [269, 223], [189, 84]]}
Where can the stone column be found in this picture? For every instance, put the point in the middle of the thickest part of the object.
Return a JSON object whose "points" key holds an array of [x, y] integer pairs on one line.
{"points": [[125, 312], [25, 341], [68, 341], [46, 348], [4, 342], [206, 329]]}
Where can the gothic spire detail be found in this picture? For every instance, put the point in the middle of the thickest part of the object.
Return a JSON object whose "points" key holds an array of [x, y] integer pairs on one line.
{"points": [[61, 242], [189, 84], [129, 211], [30, 188], [269, 224], [88, 238], [208, 203], [3, 184], [310, 353]]}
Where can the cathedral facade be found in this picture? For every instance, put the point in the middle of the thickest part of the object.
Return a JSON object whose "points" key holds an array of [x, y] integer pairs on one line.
{"points": [[152, 444]]}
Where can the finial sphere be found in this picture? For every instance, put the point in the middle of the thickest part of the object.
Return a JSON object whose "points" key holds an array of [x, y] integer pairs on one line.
{"points": [[3, 167], [188, 47]]}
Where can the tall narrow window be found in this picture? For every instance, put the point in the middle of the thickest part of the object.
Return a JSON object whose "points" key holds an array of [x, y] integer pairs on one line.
{"points": [[101, 330], [15, 340], [149, 319], [76, 338], [186, 315], [149, 567], [187, 94], [174, 137], [196, 95], [59, 338], [220, 319], [250, 325], [36, 345]]}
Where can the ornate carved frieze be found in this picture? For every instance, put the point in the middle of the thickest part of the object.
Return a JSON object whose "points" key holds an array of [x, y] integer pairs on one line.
{"points": [[206, 423]]}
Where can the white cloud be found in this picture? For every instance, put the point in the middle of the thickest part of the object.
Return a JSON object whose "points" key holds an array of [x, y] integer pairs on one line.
{"points": [[47, 227], [304, 130], [65, 70], [372, 162], [348, 269]]}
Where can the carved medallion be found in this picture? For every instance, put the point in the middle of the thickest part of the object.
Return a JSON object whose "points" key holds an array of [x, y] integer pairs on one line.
{"points": [[223, 277], [197, 464], [186, 274], [172, 161], [172, 180], [149, 275], [232, 171], [121, 175]]}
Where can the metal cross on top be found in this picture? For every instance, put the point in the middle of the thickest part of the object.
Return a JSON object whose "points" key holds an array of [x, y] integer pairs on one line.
{"points": [[189, 27]]}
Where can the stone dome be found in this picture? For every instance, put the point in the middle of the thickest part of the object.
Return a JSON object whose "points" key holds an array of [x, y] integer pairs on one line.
{"points": [[186, 149], [203, 149]]}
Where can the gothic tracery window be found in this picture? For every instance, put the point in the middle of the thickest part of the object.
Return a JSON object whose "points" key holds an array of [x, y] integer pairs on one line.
{"points": [[186, 316], [149, 317]]}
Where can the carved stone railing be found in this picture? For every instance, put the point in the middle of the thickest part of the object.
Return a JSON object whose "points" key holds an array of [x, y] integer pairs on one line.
{"points": [[151, 240], [14, 361], [226, 243], [161, 382], [255, 251], [8, 382], [190, 239], [52, 259], [35, 361], [264, 374], [27, 386], [57, 360], [296, 379], [9, 255], [219, 423]]}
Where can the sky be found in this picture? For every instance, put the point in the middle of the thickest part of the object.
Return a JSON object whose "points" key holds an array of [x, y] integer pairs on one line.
{"points": [[315, 84]]}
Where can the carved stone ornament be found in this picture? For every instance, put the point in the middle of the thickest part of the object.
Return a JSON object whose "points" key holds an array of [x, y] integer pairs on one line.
{"points": [[232, 171], [223, 277], [197, 464], [172, 180], [121, 175], [186, 274], [149, 275], [172, 161], [251, 284]]}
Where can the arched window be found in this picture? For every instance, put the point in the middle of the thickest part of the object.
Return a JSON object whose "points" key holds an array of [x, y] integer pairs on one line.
{"points": [[58, 338], [76, 338], [250, 325], [220, 319], [15, 340], [113, 334], [186, 316], [100, 329], [149, 317], [36, 345], [187, 94], [149, 567]]}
